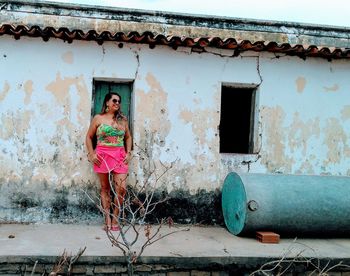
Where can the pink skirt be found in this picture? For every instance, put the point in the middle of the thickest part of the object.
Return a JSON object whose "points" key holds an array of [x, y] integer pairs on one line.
{"points": [[112, 160]]}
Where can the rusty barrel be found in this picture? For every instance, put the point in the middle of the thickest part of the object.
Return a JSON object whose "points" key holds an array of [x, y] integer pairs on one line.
{"points": [[292, 204]]}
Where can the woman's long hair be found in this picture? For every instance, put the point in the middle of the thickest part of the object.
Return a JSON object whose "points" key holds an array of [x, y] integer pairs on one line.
{"points": [[118, 115]]}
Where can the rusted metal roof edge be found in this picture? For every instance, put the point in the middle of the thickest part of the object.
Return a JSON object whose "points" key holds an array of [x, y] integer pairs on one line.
{"points": [[175, 41]]}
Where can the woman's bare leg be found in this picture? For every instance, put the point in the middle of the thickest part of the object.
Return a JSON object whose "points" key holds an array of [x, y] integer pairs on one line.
{"points": [[120, 190], [105, 197]]}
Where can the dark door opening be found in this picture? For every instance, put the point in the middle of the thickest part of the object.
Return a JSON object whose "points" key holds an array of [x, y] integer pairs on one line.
{"points": [[237, 120]]}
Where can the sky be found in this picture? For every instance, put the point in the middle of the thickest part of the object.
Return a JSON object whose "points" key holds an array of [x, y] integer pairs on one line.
{"points": [[320, 12]]}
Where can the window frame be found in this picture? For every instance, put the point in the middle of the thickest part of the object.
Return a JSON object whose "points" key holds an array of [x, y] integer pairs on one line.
{"points": [[254, 137]]}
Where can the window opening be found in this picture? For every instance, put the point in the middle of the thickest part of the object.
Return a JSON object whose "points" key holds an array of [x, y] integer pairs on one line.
{"points": [[237, 120]]}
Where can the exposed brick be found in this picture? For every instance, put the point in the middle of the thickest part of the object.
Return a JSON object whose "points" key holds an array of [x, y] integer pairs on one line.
{"points": [[120, 269], [48, 268], [89, 270], [107, 269], [39, 268], [330, 273], [178, 273], [53, 268], [162, 267], [63, 270], [143, 268], [10, 268], [79, 269], [199, 273], [219, 273], [306, 272]]}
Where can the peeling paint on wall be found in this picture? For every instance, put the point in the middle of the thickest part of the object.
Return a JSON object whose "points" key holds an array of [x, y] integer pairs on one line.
{"points": [[300, 132], [201, 121], [60, 88], [275, 157], [333, 88], [28, 89], [51, 149], [68, 57], [306, 167], [15, 125], [300, 83], [4, 91], [17, 151], [152, 106], [336, 141], [345, 113]]}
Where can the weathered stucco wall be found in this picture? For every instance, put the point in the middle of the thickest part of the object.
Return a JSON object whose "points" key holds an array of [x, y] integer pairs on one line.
{"points": [[45, 109]]}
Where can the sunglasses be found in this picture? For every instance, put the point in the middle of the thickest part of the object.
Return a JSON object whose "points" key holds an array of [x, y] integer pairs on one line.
{"points": [[116, 101]]}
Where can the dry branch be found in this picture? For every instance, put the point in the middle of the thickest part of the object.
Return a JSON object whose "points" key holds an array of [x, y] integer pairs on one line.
{"points": [[284, 265], [138, 204], [66, 261]]}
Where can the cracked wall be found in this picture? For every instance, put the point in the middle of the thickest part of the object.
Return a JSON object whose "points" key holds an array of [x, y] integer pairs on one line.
{"points": [[302, 123]]}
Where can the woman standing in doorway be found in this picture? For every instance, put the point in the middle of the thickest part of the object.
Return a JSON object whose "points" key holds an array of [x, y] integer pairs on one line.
{"points": [[111, 155]]}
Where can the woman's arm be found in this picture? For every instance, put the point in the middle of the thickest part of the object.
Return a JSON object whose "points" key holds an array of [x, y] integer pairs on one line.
{"points": [[88, 140], [128, 143]]}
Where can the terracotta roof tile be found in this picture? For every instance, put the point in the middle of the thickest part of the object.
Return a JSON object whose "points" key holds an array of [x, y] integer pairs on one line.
{"points": [[175, 41]]}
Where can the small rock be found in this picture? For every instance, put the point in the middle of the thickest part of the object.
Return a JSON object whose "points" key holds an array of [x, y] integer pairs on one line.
{"points": [[11, 236]]}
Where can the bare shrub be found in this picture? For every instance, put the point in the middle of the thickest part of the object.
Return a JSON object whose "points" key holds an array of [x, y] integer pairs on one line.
{"points": [[135, 233]]}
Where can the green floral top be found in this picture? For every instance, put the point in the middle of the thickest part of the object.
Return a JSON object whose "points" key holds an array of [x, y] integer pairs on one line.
{"points": [[109, 136]]}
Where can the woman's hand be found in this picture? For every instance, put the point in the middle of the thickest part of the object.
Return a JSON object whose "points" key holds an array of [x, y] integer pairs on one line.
{"points": [[127, 158], [93, 158]]}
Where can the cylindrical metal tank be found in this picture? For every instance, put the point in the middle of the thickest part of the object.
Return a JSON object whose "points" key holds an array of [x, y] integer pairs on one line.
{"points": [[294, 204]]}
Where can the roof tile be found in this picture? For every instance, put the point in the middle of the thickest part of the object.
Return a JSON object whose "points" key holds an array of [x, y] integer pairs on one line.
{"points": [[174, 41]]}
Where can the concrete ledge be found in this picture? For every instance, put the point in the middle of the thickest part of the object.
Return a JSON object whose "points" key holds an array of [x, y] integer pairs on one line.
{"points": [[200, 251]]}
